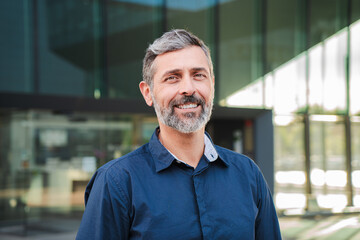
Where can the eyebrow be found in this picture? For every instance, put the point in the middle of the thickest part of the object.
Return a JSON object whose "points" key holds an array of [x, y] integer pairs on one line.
{"points": [[199, 69], [176, 71], [173, 71]]}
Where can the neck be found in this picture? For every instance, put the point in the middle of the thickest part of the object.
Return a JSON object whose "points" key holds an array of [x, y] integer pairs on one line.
{"points": [[188, 147]]}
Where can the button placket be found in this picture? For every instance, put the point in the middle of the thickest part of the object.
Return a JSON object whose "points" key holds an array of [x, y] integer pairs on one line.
{"points": [[202, 205]]}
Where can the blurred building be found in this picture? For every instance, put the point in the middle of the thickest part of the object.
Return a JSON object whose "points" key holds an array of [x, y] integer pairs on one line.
{"points": [[287, 82]]}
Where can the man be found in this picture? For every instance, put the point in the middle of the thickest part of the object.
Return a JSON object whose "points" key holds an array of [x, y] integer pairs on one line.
{"points": [[179, 185]]}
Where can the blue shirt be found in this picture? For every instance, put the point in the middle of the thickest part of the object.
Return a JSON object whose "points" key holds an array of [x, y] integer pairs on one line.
{"points": [[148, 194]]}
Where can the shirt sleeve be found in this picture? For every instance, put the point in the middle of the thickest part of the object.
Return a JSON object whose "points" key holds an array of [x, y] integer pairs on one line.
{"points": [[106, 214], [267, 224]]}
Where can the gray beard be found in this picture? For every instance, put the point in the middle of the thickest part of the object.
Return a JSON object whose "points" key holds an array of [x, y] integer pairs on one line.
{"points": [[190, 122]]}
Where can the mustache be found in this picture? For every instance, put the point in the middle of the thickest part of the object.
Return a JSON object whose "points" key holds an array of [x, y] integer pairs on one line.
{"points": [[187, 99]]}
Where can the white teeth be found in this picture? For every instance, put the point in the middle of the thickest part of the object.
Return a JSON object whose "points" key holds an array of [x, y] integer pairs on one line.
{"points": [[187, 106]]}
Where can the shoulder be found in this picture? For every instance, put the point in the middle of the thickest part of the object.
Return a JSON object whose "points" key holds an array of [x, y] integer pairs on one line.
{"points": [[241, 165], [236, 159], [247, 170], [119, 171], [115, 175], [127, 162]]}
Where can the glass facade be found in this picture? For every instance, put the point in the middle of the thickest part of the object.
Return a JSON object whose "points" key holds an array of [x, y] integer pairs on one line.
{"points": [[298, 58], [328, 162], [355, 175], [129, 27], [196, 16], [48, 158], [16, 46], [309, 79], [290, 171], [354, 71], [239, 48], [285, 28]]}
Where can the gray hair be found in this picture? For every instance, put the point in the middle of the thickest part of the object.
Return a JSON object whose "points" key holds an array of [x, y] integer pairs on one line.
{"points": [[173, 40]]}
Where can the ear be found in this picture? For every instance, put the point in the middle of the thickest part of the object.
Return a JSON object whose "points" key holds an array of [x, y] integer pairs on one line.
{"points": [[145, 91]]}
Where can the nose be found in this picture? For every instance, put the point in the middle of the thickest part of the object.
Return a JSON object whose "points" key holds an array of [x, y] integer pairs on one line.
{"points": [[187, 86]]}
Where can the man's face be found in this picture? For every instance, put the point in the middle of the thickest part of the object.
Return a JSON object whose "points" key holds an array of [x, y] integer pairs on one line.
{"points": [[183, 89]]}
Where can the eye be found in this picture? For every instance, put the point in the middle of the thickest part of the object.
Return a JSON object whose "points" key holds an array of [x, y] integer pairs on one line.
{"points": [[171, 78], [199, 76]]}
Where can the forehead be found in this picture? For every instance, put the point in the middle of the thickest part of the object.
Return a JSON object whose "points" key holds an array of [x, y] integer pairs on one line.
{"points": [[187, 58]]}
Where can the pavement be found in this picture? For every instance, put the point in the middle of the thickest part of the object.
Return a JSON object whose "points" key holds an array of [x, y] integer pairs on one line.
{"points": [[317, 227]]}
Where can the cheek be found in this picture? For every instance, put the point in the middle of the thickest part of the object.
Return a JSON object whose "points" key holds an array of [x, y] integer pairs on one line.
{"points": [[207, 93], [169, 93], [163, 97]]}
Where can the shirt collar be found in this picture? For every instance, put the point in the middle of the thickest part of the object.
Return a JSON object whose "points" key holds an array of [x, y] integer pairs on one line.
{"points": [[164, 158], [210, 151]]}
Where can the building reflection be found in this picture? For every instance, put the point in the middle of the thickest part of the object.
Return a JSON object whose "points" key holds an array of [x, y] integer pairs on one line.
{"points": [[69, 99]]}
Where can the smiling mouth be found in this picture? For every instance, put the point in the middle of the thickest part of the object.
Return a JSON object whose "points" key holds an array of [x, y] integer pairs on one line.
{"points": [[187, 106]]}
